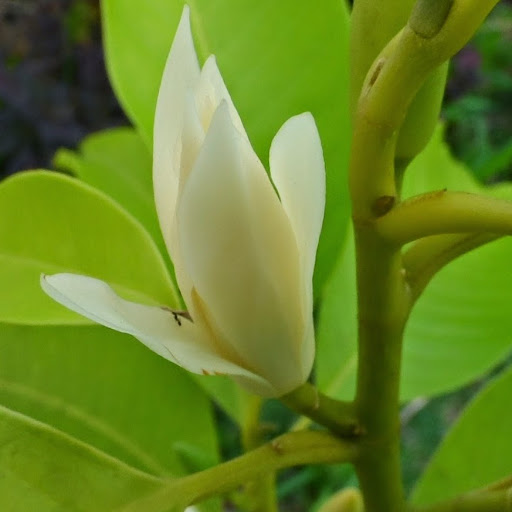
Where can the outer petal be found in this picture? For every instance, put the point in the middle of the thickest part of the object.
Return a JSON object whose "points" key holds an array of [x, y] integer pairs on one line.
{"points": [[199, 107], [170, 335], [192, 137], [298, 171], [210, 92], [181, 73], [240, 253]]}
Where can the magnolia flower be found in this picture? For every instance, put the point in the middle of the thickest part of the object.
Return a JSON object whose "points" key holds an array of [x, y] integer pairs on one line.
{"points": [[243, 255]]}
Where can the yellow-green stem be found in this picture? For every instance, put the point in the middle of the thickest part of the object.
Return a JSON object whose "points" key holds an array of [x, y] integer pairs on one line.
{"points": [[338, 416], [383, 308], [260, 493], [292, 449], [443, 212], [373, 24], [384, 299], [426, 257]]}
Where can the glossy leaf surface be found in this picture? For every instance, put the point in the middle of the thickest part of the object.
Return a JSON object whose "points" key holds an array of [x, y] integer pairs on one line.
{"points": [[52, 223], [106, 389], [118, 163], [45, 470], [477, 451]]}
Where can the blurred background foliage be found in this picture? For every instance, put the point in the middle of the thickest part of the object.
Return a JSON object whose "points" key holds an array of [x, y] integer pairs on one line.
{"points": [[53, 85], [54, 91]]}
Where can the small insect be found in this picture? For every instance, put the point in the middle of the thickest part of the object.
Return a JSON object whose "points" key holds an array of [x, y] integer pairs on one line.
{"points": [[178, 315]]}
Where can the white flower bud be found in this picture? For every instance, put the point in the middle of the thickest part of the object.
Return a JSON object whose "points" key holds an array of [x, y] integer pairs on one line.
{"points": [[243, 257]]}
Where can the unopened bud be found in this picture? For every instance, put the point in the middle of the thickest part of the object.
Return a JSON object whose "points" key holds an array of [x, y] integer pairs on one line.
{"points": [[429, 16], [347, 500]]}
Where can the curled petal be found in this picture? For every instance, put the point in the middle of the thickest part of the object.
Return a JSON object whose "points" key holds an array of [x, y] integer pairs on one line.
{"points": [[298, 171], [169, 334]]}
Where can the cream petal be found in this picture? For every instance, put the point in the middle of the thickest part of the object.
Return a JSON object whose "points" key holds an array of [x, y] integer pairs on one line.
{"points": [[298, 172], [167, 333], [240, 252], [181, 73], [192, 137], [210, 92]]}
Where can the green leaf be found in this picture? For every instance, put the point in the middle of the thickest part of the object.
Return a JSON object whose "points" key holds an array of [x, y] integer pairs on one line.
{"points": [[436, 169], [51, 223], [118, 163], [463, 318], [477, 451], [45, 470], [228, 395], [105, 388], [67, 226], [277, 58], [336, 358]]}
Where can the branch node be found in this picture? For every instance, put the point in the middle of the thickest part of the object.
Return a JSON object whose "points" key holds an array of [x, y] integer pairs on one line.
{"points": [[383, 205]]}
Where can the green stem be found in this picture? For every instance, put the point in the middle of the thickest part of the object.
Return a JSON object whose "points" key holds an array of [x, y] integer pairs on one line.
{"points": [[338, 416], [386, 18], [442, 212], [384, 297], [401, 70], [260, 494], [297, 448], [383, 306], [251, 432], [383, 309]]}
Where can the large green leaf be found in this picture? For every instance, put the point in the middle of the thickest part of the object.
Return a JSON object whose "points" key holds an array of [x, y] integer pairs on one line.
{"points": [[464, 317], [117, 162], [105, 388], [477, 451], [462, 321], [51, 223], [336, 358], [43, 470], [277, 58]]}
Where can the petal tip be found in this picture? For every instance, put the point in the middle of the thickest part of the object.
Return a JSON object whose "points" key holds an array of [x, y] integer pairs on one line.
{"points": [[211, 61], [44, 281], [185, 16]]}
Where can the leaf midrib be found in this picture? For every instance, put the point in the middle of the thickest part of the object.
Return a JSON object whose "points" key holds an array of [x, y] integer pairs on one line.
{"points": [[94, 424]]}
